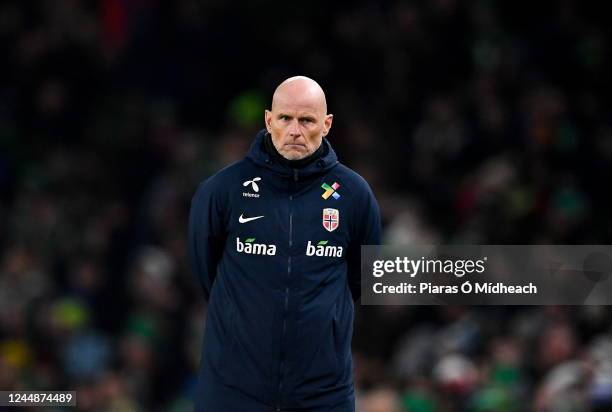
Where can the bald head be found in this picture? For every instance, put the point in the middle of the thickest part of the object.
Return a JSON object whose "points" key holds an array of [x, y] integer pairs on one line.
{"points": [[298, 119], [300, 90]]}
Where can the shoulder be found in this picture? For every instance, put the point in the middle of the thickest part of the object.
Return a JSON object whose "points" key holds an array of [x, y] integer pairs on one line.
{"points": [[227, 177], [352, 181], [360, 197], [216, 187], [229, 173]]}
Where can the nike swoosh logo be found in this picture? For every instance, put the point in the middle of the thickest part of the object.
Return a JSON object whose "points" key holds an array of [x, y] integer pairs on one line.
{"points": [[248, 219]]}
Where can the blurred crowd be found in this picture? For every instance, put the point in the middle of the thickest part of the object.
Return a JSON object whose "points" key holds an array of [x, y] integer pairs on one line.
{"points": [[474, 121]]}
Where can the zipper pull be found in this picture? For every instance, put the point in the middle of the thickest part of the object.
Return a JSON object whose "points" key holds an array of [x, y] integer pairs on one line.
{"points": [[295, 175]]}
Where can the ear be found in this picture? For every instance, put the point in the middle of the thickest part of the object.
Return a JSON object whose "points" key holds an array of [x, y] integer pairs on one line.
{"points": [[268, 120], [327, 124]]}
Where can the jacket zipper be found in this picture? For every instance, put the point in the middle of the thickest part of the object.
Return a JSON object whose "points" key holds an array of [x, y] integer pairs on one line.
{"points": [[286, 307]]}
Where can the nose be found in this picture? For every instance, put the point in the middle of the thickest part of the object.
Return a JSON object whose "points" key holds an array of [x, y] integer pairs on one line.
{"points": [[294, 128]]}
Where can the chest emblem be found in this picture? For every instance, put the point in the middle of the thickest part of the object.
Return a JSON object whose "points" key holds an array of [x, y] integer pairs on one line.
{"points": [[330, 191], [331, 219], [254, 187]]}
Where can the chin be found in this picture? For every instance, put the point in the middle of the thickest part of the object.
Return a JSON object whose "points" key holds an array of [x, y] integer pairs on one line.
{"points": [[294, 155]]}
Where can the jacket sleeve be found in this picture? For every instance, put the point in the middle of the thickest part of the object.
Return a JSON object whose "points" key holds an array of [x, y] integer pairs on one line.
{"points": [[206, 234], [367, 229]]}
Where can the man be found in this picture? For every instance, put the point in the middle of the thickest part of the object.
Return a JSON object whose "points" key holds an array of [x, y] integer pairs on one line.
{"points": [[275, 242]]}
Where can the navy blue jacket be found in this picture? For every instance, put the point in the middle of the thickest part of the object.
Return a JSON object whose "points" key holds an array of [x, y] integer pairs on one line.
{"points": [[277, 252]]}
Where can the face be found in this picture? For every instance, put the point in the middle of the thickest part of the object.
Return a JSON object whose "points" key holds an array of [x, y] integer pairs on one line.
{"points": [[297, 124]]}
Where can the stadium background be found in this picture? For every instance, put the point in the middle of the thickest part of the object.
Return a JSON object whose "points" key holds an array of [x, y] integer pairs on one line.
{"points": [[474, 121]]}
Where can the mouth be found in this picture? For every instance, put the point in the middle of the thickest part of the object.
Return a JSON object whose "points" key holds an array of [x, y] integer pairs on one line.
{"points": [[295, 146]]}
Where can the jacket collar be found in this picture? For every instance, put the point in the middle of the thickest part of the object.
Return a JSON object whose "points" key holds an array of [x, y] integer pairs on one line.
{"points": [[260, 157]]}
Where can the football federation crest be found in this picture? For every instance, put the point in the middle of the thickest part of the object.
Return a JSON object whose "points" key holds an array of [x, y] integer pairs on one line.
{"points": [[331, 219]]}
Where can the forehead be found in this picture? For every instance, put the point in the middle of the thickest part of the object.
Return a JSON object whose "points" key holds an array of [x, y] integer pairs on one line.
{"points": [[297, 110], [298, 103]]}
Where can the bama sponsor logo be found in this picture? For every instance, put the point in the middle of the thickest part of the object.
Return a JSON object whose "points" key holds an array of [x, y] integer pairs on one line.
{"points": [[250, 247], [322, 249]]}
